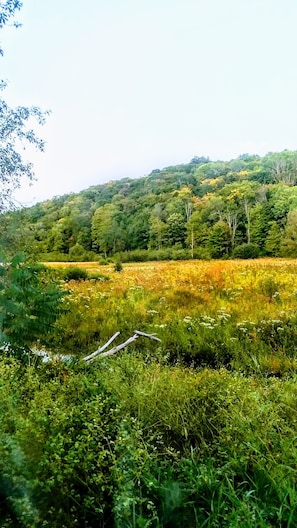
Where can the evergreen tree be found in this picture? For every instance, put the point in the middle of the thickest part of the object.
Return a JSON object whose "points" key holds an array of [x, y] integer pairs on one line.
{"points": [[219, 241], [288, 246], [273, 239]]}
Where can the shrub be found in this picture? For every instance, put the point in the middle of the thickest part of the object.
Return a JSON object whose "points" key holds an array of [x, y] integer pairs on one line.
{"points": [[55, 459], [54, 256], [246, 251], [75, 273], [77, 253], [103, 262], [118, 266], [29, 304]]}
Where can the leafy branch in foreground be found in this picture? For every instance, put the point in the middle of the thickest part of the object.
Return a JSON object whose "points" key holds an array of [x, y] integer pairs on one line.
{"points": [[7, 11], [15, 134], [16, 130], [29, 304]]}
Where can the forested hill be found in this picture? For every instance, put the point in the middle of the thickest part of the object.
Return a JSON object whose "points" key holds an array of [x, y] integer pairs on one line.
{"points": [[245, 207]]}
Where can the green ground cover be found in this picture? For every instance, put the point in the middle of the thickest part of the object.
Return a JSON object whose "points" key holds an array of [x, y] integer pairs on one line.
{"points": [[197, 431]]}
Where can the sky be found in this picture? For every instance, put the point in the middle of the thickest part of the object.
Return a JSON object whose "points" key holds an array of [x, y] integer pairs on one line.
{"points": [[135, 85]]}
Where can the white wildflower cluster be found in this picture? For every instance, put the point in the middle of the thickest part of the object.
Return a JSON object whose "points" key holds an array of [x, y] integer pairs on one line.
{"points": [[245, 326], [189, 322], [208, 322], [265, 326], [273, 325], [223, 316]]}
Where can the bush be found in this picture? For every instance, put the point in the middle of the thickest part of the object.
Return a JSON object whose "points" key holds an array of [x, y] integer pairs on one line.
{"points": [[77, 254], [56, 472], [29, 304], [103, 261], [246, 251], [54, 256], [75, 273], [118, 266]]}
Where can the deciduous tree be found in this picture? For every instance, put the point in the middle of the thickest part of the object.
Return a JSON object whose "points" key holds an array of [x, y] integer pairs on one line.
{"points": [[15, 131]]}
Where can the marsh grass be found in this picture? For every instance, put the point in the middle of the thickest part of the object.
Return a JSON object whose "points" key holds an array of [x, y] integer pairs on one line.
{"points": [[240, 315]]}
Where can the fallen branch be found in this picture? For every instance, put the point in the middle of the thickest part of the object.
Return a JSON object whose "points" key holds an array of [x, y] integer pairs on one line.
{"points": [[99, 354], [100, 349], [150, 336]]}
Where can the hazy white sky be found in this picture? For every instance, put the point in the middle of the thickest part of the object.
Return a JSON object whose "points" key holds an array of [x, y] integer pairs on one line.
{"points": [[135, 85]]}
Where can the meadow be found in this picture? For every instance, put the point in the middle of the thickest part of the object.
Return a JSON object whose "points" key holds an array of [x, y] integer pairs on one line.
{"points": [[198, 430], [236, 314]]}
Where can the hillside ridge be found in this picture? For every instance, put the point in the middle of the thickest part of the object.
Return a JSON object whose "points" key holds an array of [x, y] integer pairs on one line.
{"points": [[245, 207]]}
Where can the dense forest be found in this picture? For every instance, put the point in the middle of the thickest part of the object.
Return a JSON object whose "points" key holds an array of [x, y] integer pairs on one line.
{"points": [[246, 207]]}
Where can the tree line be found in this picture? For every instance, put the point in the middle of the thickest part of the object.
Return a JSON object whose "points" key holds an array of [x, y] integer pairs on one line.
{"points": [[246, 207]]}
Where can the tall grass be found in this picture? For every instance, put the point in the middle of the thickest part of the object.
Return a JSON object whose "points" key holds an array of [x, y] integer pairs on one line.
{"points": [[241, 315], [197, 431], [125, 443]]}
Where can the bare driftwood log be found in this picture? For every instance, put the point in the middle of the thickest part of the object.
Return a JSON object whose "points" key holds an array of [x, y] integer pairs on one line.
{"points": [[100, 349], [99, 354]]}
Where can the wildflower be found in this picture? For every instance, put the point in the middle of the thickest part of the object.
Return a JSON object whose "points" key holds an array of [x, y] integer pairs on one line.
{"points": [[208, 319], [222, 315], [206, 325]]}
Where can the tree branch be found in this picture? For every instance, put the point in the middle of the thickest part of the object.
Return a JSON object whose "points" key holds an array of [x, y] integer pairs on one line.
{"points": [[99, 354], [100, 349]]}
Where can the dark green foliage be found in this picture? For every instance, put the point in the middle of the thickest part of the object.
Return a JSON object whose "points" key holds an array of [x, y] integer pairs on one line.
{"points": [[145, 446], [77, 274], [29, 303], [56, 466], [219, 242], [273, 239], [246, 251], [118, 266], [288, 246], [74, 273], [195, 343]]}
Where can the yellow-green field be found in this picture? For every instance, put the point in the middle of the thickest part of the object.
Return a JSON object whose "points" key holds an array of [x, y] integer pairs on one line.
{"points": [[247, 308], [252, 289]]}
